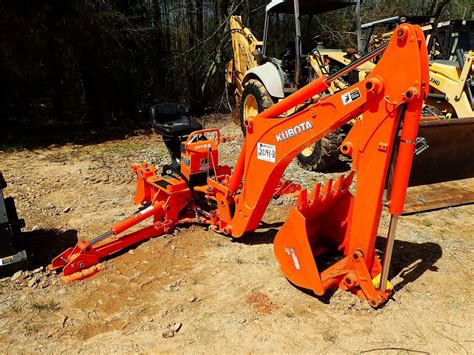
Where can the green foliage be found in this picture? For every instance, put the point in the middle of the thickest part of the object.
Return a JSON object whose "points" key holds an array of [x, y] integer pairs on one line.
{"points": [[51, 305]]}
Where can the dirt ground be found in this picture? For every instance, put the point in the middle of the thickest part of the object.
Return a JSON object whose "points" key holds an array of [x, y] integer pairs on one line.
{"points": [[197, 291]]}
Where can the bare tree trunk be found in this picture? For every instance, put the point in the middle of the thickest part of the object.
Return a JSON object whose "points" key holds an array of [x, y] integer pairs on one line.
{"points": [[199, 20], [440, 8]]}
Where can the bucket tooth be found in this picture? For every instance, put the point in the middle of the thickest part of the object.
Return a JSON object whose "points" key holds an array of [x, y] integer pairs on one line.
{"points": [[327, 187], [338, 185], [348, 180], [302, 201], [316, 192]]}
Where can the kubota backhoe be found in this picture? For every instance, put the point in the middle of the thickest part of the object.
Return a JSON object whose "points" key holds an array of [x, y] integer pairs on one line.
{"points": [[329, 237]]}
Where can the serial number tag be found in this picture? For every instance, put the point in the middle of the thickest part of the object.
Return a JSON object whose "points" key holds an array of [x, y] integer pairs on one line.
{"points": [[266, 152]]}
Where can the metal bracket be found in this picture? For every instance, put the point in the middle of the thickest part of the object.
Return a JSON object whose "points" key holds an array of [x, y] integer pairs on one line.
{"points": [[19, 257], [420, 145]]}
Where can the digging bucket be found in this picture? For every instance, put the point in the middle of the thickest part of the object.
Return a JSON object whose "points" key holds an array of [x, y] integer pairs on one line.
{"points": [[314, 234]]}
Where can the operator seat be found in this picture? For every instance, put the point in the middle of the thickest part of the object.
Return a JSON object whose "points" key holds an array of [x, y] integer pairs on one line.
{"points": [[171, 121]]}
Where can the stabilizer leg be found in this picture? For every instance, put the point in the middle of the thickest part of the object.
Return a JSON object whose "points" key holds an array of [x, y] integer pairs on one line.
{"points": [[82, 261]]}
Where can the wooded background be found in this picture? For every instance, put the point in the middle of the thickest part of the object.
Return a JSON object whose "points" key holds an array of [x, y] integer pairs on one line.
{"points": [[105, 62]]}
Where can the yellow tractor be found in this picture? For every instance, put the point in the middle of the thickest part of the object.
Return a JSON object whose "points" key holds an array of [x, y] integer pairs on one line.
{"points": [[451, 86], [258, 80], [448, 124], [452, 69]]}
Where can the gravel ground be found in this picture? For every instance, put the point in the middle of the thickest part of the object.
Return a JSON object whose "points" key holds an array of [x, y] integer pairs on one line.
{"points": [[197, 291]]}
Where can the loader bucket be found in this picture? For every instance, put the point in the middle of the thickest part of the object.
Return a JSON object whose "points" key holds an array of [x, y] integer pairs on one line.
{"points": [[450, 153], [448, 158], [315, 228]]}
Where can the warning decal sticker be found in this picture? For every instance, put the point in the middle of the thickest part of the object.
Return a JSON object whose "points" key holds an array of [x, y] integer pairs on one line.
{"points": [[350, 96]]}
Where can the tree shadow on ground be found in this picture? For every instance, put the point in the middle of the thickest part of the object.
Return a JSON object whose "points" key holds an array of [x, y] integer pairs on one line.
{"points": [[43, 245], [409, 260], [265, 234], [31, 136]]}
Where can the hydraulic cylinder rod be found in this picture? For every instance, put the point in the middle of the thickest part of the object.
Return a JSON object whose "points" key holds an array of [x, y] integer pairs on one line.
{"points": [[129, 222], [387, 259]]}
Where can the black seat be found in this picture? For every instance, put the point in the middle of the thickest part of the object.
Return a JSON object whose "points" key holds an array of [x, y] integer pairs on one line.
{"points": [[171, 120]]}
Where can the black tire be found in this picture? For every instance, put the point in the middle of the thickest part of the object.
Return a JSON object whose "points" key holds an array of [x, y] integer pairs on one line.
{"points": [[324, 153], [255, 89]]}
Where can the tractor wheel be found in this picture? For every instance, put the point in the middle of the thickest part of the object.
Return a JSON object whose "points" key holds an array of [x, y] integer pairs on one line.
{"points": [[322, 154], [255, 99]]}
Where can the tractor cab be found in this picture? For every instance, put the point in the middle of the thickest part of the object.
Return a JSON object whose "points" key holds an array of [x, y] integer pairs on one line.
{"points": [[443, 38], [450, 38], [294, 56], [450, 47], [377, 32]]}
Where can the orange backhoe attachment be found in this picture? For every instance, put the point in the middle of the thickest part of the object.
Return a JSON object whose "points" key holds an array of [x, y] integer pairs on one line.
{"points": [[328, 240], [167, 199]]}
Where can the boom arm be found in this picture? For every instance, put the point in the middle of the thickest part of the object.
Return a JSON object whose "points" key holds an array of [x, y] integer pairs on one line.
{"points": [[331, 220], [400, 78]]}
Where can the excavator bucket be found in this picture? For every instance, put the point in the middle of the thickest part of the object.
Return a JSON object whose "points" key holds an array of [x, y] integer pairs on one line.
{"points": [[314, 234], [302, 270]]}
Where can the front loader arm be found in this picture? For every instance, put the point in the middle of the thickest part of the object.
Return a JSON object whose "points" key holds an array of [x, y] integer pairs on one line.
{"points": [[400, 78]]}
